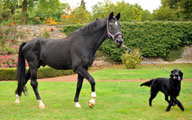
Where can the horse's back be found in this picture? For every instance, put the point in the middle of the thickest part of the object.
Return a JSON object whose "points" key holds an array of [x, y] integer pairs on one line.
{"points": [[44, 51]]}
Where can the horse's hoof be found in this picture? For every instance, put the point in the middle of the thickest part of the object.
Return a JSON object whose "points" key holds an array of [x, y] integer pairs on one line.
{"points": [[91, 103], [17, 102], [41, 106], [77, 105]]}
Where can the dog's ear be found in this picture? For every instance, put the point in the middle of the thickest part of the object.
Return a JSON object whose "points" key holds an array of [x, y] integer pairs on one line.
{"points": [[171, 75], [181, 74]]}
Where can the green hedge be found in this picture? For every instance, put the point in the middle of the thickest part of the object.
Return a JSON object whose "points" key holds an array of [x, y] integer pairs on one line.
{"points": [[154, 39], [10, 73]]}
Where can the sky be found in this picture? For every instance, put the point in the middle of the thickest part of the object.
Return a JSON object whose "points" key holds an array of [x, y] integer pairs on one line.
{"points": [[145, 4]]}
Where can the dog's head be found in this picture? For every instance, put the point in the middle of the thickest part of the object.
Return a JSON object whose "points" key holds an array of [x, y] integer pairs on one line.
{"points": [[176, 75]]}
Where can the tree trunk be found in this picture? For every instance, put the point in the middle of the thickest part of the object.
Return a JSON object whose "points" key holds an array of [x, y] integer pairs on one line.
{"points": [[24, 12]]}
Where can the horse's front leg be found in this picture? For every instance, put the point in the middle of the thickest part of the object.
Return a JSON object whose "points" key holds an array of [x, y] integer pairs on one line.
{"points": [[83, 72], [78, 90]]}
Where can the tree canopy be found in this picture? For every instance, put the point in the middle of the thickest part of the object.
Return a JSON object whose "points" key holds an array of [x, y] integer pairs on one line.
{"points": [[174, 10], [56, 12]]}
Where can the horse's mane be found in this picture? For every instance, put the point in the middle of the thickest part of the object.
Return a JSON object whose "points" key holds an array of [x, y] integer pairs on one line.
{"points": [[93, 26]]}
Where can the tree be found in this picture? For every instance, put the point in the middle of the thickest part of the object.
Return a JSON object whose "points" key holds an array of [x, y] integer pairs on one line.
{"points": [[165, 13], [45, 8], [83, 4], [25, 5], [80, 15], [9, 4], [77, 15], [146, 15], [186, 5], [128, 12], [181, 8]]}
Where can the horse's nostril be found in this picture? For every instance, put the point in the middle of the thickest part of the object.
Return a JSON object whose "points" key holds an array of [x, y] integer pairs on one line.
{"points": [[119, 41]]}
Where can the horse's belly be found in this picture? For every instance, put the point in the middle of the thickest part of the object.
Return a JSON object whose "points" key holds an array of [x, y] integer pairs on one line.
{"points": [[57, 61], [61, 67]]}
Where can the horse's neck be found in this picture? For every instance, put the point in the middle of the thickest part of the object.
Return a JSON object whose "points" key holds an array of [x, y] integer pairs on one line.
{"points": [[97, 39]]}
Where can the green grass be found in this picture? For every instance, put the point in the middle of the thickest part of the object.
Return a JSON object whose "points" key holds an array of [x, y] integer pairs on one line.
{"points": [[141, 72], [115, 101]]}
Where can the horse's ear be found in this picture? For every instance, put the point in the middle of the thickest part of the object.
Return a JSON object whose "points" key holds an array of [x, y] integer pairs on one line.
{"points": [[111, 15], [118, 16]]}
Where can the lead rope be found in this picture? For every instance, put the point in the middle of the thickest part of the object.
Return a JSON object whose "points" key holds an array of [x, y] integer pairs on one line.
{"points": [[146, 59]]}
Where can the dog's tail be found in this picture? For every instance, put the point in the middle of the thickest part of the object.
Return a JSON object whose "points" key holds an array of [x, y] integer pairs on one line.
{"points": [[148, 83]]}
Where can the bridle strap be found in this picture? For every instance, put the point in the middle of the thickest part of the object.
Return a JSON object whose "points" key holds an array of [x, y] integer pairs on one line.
{"points": [[111, 36]]}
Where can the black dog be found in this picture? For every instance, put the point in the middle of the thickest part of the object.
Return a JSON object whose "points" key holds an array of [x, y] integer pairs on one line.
{"points": [[169, 86]]}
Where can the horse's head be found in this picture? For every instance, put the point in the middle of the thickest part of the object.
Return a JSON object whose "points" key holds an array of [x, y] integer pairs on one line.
{"points": [[113, 29]]}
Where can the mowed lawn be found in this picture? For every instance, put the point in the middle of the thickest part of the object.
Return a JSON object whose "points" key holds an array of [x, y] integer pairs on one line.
{"points": [[115, 101], [141, 72]]}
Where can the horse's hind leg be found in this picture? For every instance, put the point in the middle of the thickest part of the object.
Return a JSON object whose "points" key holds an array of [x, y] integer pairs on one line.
{"points": [[27, 76], [34, 84]]}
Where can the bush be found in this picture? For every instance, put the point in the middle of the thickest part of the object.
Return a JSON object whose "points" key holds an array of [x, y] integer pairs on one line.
{"points": [[7, 61], [10, 73], [174, 54], [154, 39], [45, 33], [17, 15], [68, 29], [5, 14], [131, 59]]}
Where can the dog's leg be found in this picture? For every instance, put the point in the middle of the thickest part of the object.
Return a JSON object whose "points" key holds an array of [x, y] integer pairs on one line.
{"points": [[153, 95], [178, 103], [169, 106], [167, 99]]}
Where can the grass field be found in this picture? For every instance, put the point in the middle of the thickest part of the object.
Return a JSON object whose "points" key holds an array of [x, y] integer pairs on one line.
{"points": [[115, 101], [141, 72]]}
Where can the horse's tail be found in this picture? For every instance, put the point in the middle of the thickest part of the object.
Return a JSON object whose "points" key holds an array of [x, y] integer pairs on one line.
{"points": [[148, 83], [21, 72]]}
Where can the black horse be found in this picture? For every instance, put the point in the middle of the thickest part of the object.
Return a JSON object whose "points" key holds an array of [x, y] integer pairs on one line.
{"points": [[76, 52]]}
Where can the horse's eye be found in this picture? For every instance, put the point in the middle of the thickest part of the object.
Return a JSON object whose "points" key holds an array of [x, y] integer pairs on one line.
{"points": [[110, 25]]}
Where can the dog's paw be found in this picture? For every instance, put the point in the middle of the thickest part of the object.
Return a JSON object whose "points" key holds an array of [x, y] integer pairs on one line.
{"points": [[182, 108], [167, 110]]}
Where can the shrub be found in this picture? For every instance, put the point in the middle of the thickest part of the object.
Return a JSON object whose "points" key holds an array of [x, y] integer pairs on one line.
{"points": [[71, 28], [174, 54], [7, 61], [17, 15], [10, 73], [6, 14], [50, 21], [8, 34], [45, 33], [131, 59], [154, 39]]}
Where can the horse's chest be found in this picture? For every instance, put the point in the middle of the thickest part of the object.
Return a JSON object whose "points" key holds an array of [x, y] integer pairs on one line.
{"points": [[88, 60]]}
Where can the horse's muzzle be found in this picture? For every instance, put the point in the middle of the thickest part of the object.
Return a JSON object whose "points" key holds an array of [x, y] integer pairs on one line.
{"points": [[119, 41]]}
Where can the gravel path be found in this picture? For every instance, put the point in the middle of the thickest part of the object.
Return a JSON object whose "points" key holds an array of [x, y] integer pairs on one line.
{"points": [[73, 78]]}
